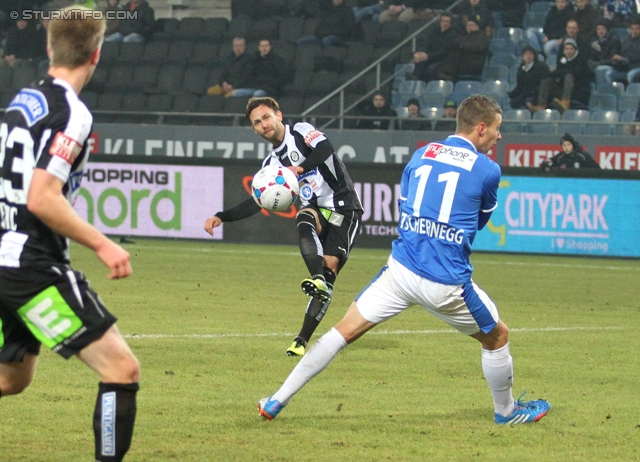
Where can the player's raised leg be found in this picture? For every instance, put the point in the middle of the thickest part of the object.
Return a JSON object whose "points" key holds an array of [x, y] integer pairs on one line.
{"points": [[115, 410], [319, 356]]}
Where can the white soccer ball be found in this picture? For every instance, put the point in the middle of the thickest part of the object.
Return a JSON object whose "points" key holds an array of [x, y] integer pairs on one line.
{"points": [[275, 188]]}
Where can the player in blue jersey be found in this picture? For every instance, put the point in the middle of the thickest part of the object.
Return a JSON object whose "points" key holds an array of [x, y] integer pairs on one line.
{"points": [[448, 191]]}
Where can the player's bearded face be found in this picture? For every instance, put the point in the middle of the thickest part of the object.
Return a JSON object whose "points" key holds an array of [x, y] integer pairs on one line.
{"points": [[267, 123]]}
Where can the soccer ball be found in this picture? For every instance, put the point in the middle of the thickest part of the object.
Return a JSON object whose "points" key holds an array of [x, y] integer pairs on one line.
{"points": [[275, 188]]}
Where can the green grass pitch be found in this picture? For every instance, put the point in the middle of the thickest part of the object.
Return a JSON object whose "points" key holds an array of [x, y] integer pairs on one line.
{"points": [[210, 323]]}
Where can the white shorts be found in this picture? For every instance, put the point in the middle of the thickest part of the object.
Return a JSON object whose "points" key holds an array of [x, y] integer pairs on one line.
{"points": [[464, 307]]}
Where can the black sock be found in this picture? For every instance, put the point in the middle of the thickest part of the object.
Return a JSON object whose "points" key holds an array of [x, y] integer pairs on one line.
{"points": [[113, 420], [315, 311], [309, 243]]}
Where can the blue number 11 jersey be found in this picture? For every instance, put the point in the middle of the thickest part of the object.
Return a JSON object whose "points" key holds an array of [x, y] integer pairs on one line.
{"points": [[448, 191]]}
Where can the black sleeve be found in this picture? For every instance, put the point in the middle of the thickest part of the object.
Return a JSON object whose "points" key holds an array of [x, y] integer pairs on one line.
{"points": [[239, 212], [319, 155]]}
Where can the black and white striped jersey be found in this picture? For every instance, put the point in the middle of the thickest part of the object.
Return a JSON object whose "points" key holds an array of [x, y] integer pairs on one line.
{"points": [[328, 184], [45, 126]]}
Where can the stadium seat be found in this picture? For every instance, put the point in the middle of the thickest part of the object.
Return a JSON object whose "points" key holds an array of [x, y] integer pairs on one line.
{"points": [[467, 86], [502, 45], [23, 75], [290, 28], [310, 25], [120, 77], [458, 97], [503, 59], [633, 89], [603, 102], [432, 100], [265, 28], [515, 34], [195, 80], [400, 72], [110, 101], [391, 33], [628, 103], [90, 98], [180, 52], [170, 77], [165, 28], [359, 55], [238, 27], [145, 77], [183, 103], [300, 83], [440, 86], [534, 19], [614, 88], [305, 57], [286, 50], [330, 59], [135, 102], [322, 83], [204, 53], [573, 121], [214, 30], [109, 52], [612, 117], [6, 73], [547, 121], [291, 105], [371, 30], [236, 105], [497, 72], [540, 6], [159, 102], [628, 116], [355, 88], [131, 52], [495, 86], [211, 104], [189, 28]]}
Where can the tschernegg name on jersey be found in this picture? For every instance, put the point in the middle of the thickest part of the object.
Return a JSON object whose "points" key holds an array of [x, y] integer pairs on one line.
{"points": [[430, 228], [458, 157]]}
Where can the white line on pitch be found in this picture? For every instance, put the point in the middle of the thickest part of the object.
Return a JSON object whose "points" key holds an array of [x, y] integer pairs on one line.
{"points": [[374, 332], [384, 258]]}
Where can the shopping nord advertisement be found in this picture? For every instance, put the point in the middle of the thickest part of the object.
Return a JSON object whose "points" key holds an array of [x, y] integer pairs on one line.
{"points": [[575, 216], [150, 200]]}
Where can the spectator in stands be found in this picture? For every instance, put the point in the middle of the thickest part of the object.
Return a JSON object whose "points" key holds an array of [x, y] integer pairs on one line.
{"points": [[407, 10], [507, 13], [432, 50], [476, 11], [553, 30], [368, 9], [112, 24], [137, 27], [530, 74], [414, 120], [466, 59], [625, 66], [603, 48], [271, 71], [572, 32], [618, 11], [19, 46], [566, 84], [571, 156], [587, 16], [337, 25], [448, 120], [238, 76], [378, 114]]}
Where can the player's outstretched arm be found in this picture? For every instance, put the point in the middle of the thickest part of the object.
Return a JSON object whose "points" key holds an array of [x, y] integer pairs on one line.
{"points": [[46, 201]]}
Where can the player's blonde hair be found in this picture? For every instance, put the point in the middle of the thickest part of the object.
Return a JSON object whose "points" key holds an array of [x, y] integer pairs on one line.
{"points": [[476, 109], [261, 101], [74, 36]]}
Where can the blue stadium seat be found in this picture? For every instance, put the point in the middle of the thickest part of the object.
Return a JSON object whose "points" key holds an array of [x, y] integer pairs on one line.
{"points": [[515, 120], [540, 6], [503, 59], [628, 103], [467, 86], [497, 72], [500, 87], [502, 45], [573, 121], [441, 86], [547, 121], [613, 88], [633, 89], [603, 102], [612, 117], [515, 34]]}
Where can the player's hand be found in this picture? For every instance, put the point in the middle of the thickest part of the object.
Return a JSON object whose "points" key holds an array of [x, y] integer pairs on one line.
{"points": [[297, 170], [115, 258], [210, 223]]}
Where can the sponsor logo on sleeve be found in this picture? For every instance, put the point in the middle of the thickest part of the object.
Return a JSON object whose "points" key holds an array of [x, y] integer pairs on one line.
{"points": [[312, 135], [65, 147]]}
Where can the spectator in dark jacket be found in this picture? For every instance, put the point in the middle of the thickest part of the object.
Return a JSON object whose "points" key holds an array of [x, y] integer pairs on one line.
{"points": [[618, 11], [271, 70], [20, 44], [466, 59], [377, 113], [626, 65], [530, 74], [136, 28], [237, 78], [476, 11], [430, 54], [567, 83], [571, 156], [587, 16], [554, 28], [603, 48], [337, 25]]}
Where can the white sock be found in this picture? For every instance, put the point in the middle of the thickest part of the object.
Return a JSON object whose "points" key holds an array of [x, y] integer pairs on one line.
{"points": [[498, 371], [312, 363]]}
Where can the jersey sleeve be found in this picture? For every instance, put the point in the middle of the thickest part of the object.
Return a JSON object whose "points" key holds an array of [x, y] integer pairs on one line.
{"points": [[311, 135], [66, 141], [489, 195]]}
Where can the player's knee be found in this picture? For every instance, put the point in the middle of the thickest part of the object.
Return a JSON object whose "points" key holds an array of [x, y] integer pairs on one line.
{"points": [[132, 369], [305, 218], [124, 370], [13, 385]]}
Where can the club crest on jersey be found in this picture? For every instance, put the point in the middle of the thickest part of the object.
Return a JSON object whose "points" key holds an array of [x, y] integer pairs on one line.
{"points": [[306, 192], [294, 156], [32, 104], [65, 147], [451, 155]]}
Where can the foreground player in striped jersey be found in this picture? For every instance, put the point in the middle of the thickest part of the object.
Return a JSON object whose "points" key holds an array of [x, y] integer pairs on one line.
{"points": [[448, 191], [330, 215], [43, 152]]}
